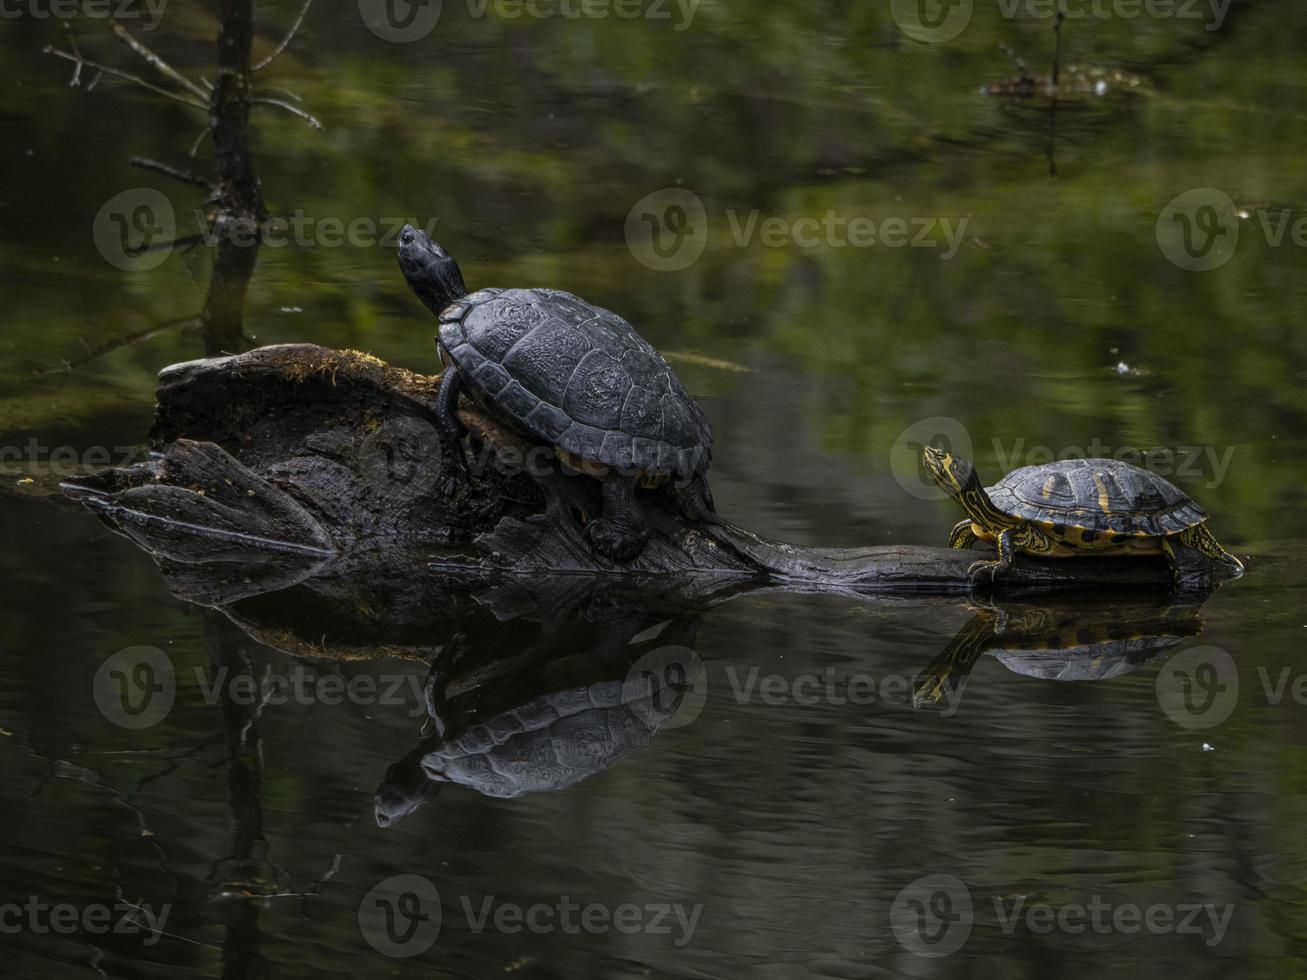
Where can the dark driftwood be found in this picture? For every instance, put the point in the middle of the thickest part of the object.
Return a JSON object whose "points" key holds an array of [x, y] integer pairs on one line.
{"points": [[295, 462]]}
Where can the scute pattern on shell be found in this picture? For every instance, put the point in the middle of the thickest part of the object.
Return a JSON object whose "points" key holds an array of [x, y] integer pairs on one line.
{"points": [[576, 376], [548, 744], [1073, 491]]}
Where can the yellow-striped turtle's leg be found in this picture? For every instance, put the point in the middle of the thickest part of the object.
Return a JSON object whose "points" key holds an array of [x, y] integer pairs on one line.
{"points": [[1007, 551], [1023, 537], [962, 535], [1204, 542]]}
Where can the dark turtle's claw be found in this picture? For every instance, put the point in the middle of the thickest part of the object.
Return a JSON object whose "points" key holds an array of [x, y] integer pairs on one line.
{"points": [[615, 540]]}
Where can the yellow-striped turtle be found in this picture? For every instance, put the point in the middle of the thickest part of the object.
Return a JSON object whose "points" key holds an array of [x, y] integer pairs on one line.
{"points": [[1080, 507]]}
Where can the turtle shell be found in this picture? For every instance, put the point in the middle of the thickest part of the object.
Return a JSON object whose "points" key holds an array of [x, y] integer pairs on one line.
{"points": [[1097, 495], [575, 376], [547, 744]]}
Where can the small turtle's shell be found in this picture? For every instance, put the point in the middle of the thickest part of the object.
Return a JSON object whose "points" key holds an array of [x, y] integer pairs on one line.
{"points": [[577, 377], [1096, 495]]}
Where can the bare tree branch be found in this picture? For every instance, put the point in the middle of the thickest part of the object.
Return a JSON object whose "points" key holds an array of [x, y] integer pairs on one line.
{"points": [[181, 175], [155, 61], [79, 61], [312, 120], [294, 29]]}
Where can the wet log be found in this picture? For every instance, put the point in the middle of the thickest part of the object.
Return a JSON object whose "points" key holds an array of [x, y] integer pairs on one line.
{"points": [[295, 461]]}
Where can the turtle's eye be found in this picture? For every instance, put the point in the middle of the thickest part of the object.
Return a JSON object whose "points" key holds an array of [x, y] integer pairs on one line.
{"points": [[407, 237]]}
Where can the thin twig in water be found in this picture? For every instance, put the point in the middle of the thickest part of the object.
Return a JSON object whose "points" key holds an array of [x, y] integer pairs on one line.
{"points": [[94, 353], [293, 110], [76, 80], [125, 76], [294, 29], [152, 59], [180, 175], [195, 147]]}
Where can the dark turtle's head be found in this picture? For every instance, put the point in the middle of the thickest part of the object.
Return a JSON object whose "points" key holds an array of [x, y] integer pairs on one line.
{"points": [[431, 272], [954, 475]]}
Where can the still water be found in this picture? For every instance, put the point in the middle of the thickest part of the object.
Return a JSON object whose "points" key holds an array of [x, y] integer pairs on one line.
{"points": [[837, 786]]}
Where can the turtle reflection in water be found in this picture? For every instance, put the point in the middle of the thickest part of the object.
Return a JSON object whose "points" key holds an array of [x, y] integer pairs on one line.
{"points": [[1081, 642], [547, 725]]}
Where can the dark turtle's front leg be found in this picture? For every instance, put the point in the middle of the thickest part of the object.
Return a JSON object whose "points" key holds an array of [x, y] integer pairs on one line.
{"points": [[451, 386], [696, 500], [621, 532]]}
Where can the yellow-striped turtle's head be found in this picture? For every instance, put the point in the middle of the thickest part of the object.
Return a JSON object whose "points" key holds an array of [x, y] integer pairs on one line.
{"points": [[954, 475]]}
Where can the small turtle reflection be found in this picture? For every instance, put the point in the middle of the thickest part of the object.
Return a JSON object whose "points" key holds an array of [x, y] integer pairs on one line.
{"points": [[1085, 642]]}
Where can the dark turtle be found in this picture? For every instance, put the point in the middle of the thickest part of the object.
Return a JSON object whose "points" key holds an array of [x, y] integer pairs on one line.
{"points": [[1079, 507], [572, 376]]}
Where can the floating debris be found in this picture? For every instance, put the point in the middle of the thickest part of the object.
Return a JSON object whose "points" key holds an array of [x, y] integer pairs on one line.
{"points": [[703, 360]]}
